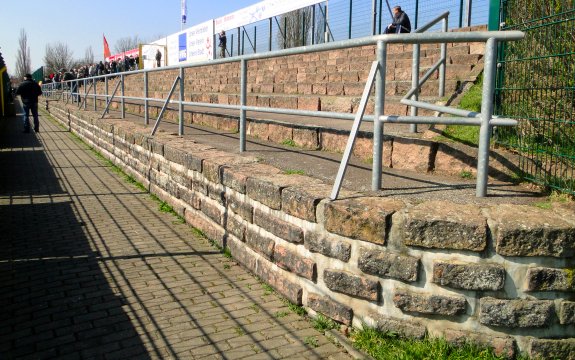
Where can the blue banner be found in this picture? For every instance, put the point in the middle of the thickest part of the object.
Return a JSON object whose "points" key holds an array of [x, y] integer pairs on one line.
{"points": [[183, 47]]}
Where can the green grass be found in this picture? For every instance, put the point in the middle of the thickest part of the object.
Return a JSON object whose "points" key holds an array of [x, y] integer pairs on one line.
{"points": [[281, 314], [323, 323], [468, 135], [390, 346], [311, 341], [293, 172], [466, 174], [268, 290], [289, 142], [227, 252]]}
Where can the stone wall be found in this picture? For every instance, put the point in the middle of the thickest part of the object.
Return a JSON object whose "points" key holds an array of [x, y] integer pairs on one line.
{"points": [[499, 275]]}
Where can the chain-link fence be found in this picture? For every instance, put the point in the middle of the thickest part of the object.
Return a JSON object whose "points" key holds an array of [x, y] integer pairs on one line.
{"points": [[536, 85], [335, 20]]}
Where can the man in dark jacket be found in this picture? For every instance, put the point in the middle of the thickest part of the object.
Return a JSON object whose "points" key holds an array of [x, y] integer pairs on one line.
{"points": [[29, 91], [400, 24]]}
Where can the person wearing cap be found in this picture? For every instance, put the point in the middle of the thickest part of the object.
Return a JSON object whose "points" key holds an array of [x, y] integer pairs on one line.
{"points": [[29, 90], [222, 44]]}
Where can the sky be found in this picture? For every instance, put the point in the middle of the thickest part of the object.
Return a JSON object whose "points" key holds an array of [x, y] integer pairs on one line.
{"points": [[80, 24]]}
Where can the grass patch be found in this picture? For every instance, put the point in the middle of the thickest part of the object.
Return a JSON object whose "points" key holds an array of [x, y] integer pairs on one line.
{"points": [[299, 310], [227, 266], [289, 142], [294, 172], [255, 308], [323, 323], [240, 331], [466, 174], [382, 345], [553, 198], [227, 252], [311, 341], [281, 314], [164, 207], [268, 290], [468, 135]]}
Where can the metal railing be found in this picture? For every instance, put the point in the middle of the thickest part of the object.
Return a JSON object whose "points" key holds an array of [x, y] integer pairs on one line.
{"points": [[463, 117]]}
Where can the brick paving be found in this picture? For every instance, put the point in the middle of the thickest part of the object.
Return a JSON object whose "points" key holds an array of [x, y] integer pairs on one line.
{"points": [[90, 268]]}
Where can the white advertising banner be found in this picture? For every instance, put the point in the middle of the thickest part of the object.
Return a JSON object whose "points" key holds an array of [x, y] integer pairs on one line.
{"points": [[149, 52], [259, 11], [200, 42]]}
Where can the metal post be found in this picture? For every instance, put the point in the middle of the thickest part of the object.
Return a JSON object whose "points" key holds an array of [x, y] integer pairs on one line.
{"points": [[123, 111], [374, 12], [380, 12], [239, 48], [85, 82], [146, 102], [106, 88], [302, 29], [270, 36], [416, 14], [95, 94], [443, 60], [460, 13], [415, 83], [378, 111], [468, 13], [243, 102], [313, 24], [243, 41], [232, 45], [486, 112], [350, 16], [255, 38], [181, 104], [285, 35]]}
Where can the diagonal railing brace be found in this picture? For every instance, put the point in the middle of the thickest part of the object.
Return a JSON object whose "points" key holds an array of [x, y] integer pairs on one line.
{"points": [[165, 105], [109, 101]]}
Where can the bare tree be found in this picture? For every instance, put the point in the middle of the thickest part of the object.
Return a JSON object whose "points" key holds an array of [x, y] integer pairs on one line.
{"points": [[58, 56], [127, 43], [89, 56], [23, 61], [296, 28]]}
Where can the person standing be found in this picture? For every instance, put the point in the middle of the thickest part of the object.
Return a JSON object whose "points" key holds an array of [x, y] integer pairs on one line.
{"points": [[222, 44], [29, 91], [158, 58], [400, 24]]}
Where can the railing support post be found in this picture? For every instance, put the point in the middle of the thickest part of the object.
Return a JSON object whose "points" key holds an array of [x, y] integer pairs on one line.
{"points": [[378, 111], [123, 111], [146, 102], [415, 83], [243, 102], [106, 89], [95, 94], [486, 112], [85, 92], [181, 105], [444, 28]]}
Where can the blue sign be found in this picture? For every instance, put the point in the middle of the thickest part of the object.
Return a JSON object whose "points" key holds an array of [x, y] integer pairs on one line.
{"points": [[183, 47]]}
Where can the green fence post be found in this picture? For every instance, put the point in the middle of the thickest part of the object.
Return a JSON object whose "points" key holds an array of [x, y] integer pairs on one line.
{"points": [[494, 15]]}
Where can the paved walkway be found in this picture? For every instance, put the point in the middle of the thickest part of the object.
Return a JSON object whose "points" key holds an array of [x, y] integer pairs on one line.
{"points": [[90, 268]]}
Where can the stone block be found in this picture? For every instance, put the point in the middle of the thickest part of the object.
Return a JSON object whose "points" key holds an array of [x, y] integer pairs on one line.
{"points": [[515, 313], [552, 349], [189, 197], [213, 211], [328, 246], [476, 277], [307, 138], [547, 279], [402, 327], [445, 225], [310, 103], [235, 226], [216, 192], [353, 285], [156, 147], [301, 201], [242, 255], [291, 291], [503, 346], [278, 227], [567, 313], [429, 303], [388, 265], [260, 243], [175, 155], [267, 189], [211, 230], [325, 305], [522, 230], [366, 218], [241, 207], [295, 263], [280, 133]]}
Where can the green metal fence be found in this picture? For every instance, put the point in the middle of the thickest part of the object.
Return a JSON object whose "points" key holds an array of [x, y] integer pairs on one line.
{"points": [[536, 85]]}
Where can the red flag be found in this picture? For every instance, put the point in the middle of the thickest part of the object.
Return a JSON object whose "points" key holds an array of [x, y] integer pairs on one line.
{"points": [[106, 48]]}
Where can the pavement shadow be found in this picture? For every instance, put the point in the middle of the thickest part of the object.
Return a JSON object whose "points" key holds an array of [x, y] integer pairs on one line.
{"points": [[55, 300]]}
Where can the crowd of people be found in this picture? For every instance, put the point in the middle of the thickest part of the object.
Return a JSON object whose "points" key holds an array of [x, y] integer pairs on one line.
{"points": [[94, 69]]}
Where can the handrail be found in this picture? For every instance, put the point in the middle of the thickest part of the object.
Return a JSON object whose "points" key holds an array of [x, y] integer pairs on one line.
{"points": [[484, 119]]}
